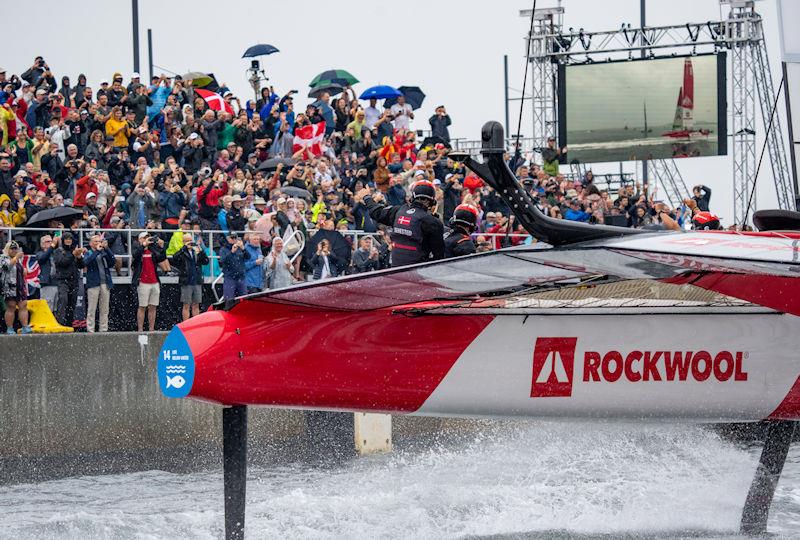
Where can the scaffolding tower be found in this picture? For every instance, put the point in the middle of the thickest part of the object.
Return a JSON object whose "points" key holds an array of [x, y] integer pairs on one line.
{"points": [[741, 34]]}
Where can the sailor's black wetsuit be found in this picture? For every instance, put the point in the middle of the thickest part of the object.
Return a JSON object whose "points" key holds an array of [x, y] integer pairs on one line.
{"points": [[417, 236], [458, 243]]}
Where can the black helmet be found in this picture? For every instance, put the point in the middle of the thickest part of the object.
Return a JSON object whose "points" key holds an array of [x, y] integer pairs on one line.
{"points": [[465, 215], [423, 189], [706, 221]]}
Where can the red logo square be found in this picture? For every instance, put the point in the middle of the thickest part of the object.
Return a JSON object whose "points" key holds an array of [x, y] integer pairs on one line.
{"points": [[553, 365]]}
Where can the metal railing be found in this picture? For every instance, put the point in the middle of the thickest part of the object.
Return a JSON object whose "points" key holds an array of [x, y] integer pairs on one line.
{"points": [[210, 242]]}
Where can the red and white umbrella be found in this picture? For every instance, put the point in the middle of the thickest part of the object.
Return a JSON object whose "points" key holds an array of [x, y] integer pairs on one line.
{"points": [[214, 101]]}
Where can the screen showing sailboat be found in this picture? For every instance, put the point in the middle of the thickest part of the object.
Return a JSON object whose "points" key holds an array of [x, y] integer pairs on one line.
{"points": [[627, 110]]}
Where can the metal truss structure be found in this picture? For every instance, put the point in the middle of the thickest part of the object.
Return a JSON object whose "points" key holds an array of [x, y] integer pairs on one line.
{"points": [[751, 81]]}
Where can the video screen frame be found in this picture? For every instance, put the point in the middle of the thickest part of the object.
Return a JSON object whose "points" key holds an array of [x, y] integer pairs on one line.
{"points": [[722, 101]]}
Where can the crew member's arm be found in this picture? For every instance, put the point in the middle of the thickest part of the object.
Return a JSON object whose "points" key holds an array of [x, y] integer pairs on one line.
{"points": [[465, 246], [377, 211], [433, 232]]}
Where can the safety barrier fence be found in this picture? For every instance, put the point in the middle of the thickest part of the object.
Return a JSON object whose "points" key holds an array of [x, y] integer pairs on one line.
{"points": [[209, 241]]}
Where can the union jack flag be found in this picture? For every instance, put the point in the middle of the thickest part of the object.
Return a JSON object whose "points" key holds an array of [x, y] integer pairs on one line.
{"points": [[32, 271]]}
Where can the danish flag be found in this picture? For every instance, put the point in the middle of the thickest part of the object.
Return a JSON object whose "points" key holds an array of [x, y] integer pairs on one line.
{"points": [[214, 101], [404, 220], [553, 365], [309, 138]]}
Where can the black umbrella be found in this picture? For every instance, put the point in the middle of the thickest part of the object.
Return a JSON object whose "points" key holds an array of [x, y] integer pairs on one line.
{"points": [[272, 164], [339, 246], [260, 50], [433, 140], [414, 97], [333, 89], [63, 214], [293, 191]]}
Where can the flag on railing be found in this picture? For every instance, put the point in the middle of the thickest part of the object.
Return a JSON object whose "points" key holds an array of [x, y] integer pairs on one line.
{"points": [[214, 101], [309, 138], [32, 272]]}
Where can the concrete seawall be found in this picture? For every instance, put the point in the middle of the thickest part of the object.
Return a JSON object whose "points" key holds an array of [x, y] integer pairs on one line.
{"points": [[84, 404]]}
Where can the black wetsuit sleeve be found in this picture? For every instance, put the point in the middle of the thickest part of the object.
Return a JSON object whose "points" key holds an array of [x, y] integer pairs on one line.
{"points": [[464, 247], [433, 233], [381, 213]]}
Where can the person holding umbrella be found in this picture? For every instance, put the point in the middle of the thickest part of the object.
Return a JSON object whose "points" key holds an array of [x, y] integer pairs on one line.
{"points": [[403, 113]]}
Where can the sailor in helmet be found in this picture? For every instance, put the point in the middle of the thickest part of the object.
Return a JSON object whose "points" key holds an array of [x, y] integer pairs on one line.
{"points": [[417, 234], [459, 242]]}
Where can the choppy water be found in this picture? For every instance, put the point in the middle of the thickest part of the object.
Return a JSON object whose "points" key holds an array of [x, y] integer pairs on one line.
{"points": [[541, 480]]}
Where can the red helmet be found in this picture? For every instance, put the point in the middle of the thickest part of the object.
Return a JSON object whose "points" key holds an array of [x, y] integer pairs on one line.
{"points": [[466, 215], [423, 189], [705, 221]]}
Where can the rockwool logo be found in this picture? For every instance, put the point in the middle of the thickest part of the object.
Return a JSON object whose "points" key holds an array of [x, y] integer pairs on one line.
{"points": [[553, 365]]}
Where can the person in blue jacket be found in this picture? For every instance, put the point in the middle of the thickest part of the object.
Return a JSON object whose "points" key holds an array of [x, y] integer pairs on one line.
{"points": [[232, 257], [575, 213], [254, 274], [98, 260]]}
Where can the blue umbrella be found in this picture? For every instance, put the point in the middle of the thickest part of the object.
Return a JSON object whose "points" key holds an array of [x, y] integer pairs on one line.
{"points": [[261, 49], [381, 91], [414, 97]]}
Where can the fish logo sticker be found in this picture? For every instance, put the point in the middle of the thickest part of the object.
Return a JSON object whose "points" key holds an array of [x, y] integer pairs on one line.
{"points": [[175, 366]]}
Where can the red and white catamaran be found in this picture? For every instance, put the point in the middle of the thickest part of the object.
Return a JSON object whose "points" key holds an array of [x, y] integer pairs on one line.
{"points": [[683, 123], [602, 322]]}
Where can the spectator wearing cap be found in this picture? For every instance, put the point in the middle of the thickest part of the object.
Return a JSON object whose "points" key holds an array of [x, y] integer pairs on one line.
{"points": [[48, 288], [439, 124], [138, 101], [141, 206], [194, 153], [38, 114], [13, 287], [146, 254], [232, 257], [189, 260], [98, 260], [172, 202], [235, 218], [68, 261]]}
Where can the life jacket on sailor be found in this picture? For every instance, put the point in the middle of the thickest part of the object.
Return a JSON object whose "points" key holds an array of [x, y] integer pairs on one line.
{"points": [[407, 235], [459, 242]]}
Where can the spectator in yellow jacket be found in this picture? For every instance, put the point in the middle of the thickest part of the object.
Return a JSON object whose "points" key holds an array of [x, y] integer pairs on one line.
{"points": [[117, 127], [9, 217]]}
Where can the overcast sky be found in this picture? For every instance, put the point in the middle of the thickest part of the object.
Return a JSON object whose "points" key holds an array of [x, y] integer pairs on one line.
{"points": [[452, 49]]}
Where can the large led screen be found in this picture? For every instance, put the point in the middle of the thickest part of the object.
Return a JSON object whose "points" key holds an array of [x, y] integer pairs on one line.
{"points": [[643, 109]]}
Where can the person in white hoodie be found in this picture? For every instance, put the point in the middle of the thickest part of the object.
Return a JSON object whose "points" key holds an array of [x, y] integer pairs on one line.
{"points": [[57, 133]]}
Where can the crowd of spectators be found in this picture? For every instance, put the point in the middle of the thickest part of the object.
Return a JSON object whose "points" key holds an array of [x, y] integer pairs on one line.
{"points": [[154, 156]]}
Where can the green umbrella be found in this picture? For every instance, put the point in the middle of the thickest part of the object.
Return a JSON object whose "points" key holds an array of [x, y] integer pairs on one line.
{"points": [[200, 79], [333, 76]]}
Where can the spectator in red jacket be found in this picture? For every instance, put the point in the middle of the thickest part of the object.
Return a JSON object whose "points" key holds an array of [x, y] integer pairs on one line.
{"points": [[83, 187]]}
